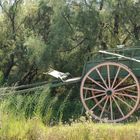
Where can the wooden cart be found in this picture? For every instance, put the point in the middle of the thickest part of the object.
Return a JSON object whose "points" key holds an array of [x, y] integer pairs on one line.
{"points": [[109, 85], [110, 88]]}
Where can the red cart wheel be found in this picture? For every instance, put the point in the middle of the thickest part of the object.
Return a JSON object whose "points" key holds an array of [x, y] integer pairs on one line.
{"points": [[110, 92]]}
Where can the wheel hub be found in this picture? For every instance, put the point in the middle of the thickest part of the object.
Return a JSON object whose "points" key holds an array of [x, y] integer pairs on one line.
{"points": [[109, 92]]}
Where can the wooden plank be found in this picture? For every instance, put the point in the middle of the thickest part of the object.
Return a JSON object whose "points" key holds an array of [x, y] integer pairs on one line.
{"points": [[32, 87], [120, 56]]}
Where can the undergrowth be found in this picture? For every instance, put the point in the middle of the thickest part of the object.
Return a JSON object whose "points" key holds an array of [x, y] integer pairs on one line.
{"points": [[55, 114], [52, 106], [33, 129]]}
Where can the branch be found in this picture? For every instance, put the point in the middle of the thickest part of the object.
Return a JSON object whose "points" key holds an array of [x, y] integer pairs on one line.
{"points": [[125, 39], [110, 28], [75, 46], [101, 4], [131, 20], [4, 9], [21, 23], [89, 5], [66, 19], [16, 3]]}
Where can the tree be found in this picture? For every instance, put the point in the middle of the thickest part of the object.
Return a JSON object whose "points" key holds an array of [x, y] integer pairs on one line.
{"points": [[36, 35]]}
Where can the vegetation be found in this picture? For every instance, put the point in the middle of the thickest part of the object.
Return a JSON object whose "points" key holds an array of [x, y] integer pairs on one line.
{"points": [[34, 129], [36, 35], [50, 107]]}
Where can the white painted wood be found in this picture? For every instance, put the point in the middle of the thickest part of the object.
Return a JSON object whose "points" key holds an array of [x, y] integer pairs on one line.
{"points": [[120, 56], [58, 74], [73, 79]]}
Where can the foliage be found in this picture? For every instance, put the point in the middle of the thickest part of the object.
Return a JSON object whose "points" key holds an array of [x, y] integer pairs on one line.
{"points": [[51, 106], [60, 34], [39, 34]]}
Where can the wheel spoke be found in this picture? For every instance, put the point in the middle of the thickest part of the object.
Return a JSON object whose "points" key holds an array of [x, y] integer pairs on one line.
{"points": [[131, 91], [96, 82], [101, 78], [95, 96], [116, 77], [122, 81], [108, 74], [127, 95], [85, 94], [98, 103], [111, 108], [118, 107], [104, 108], [123, 102], [127, 87], [93, 89]]}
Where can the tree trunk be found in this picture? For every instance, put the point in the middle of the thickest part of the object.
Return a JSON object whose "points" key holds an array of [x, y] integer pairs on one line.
{"points": [[136, 31], [29, 76], [9, 66], [116, 24]]}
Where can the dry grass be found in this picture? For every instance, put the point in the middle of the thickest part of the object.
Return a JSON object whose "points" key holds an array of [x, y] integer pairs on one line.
{"points": [[17, 129]]}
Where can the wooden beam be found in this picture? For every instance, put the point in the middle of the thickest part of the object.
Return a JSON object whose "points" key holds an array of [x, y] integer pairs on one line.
{"points": [[120, 56]]}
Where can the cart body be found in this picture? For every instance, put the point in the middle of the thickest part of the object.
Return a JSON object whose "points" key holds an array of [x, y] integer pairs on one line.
{"points": [[97, 58]]}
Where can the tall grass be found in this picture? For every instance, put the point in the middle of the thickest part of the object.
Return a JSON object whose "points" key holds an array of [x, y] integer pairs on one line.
{"points": [[33, 129], [28, 116], [50, 105]]}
